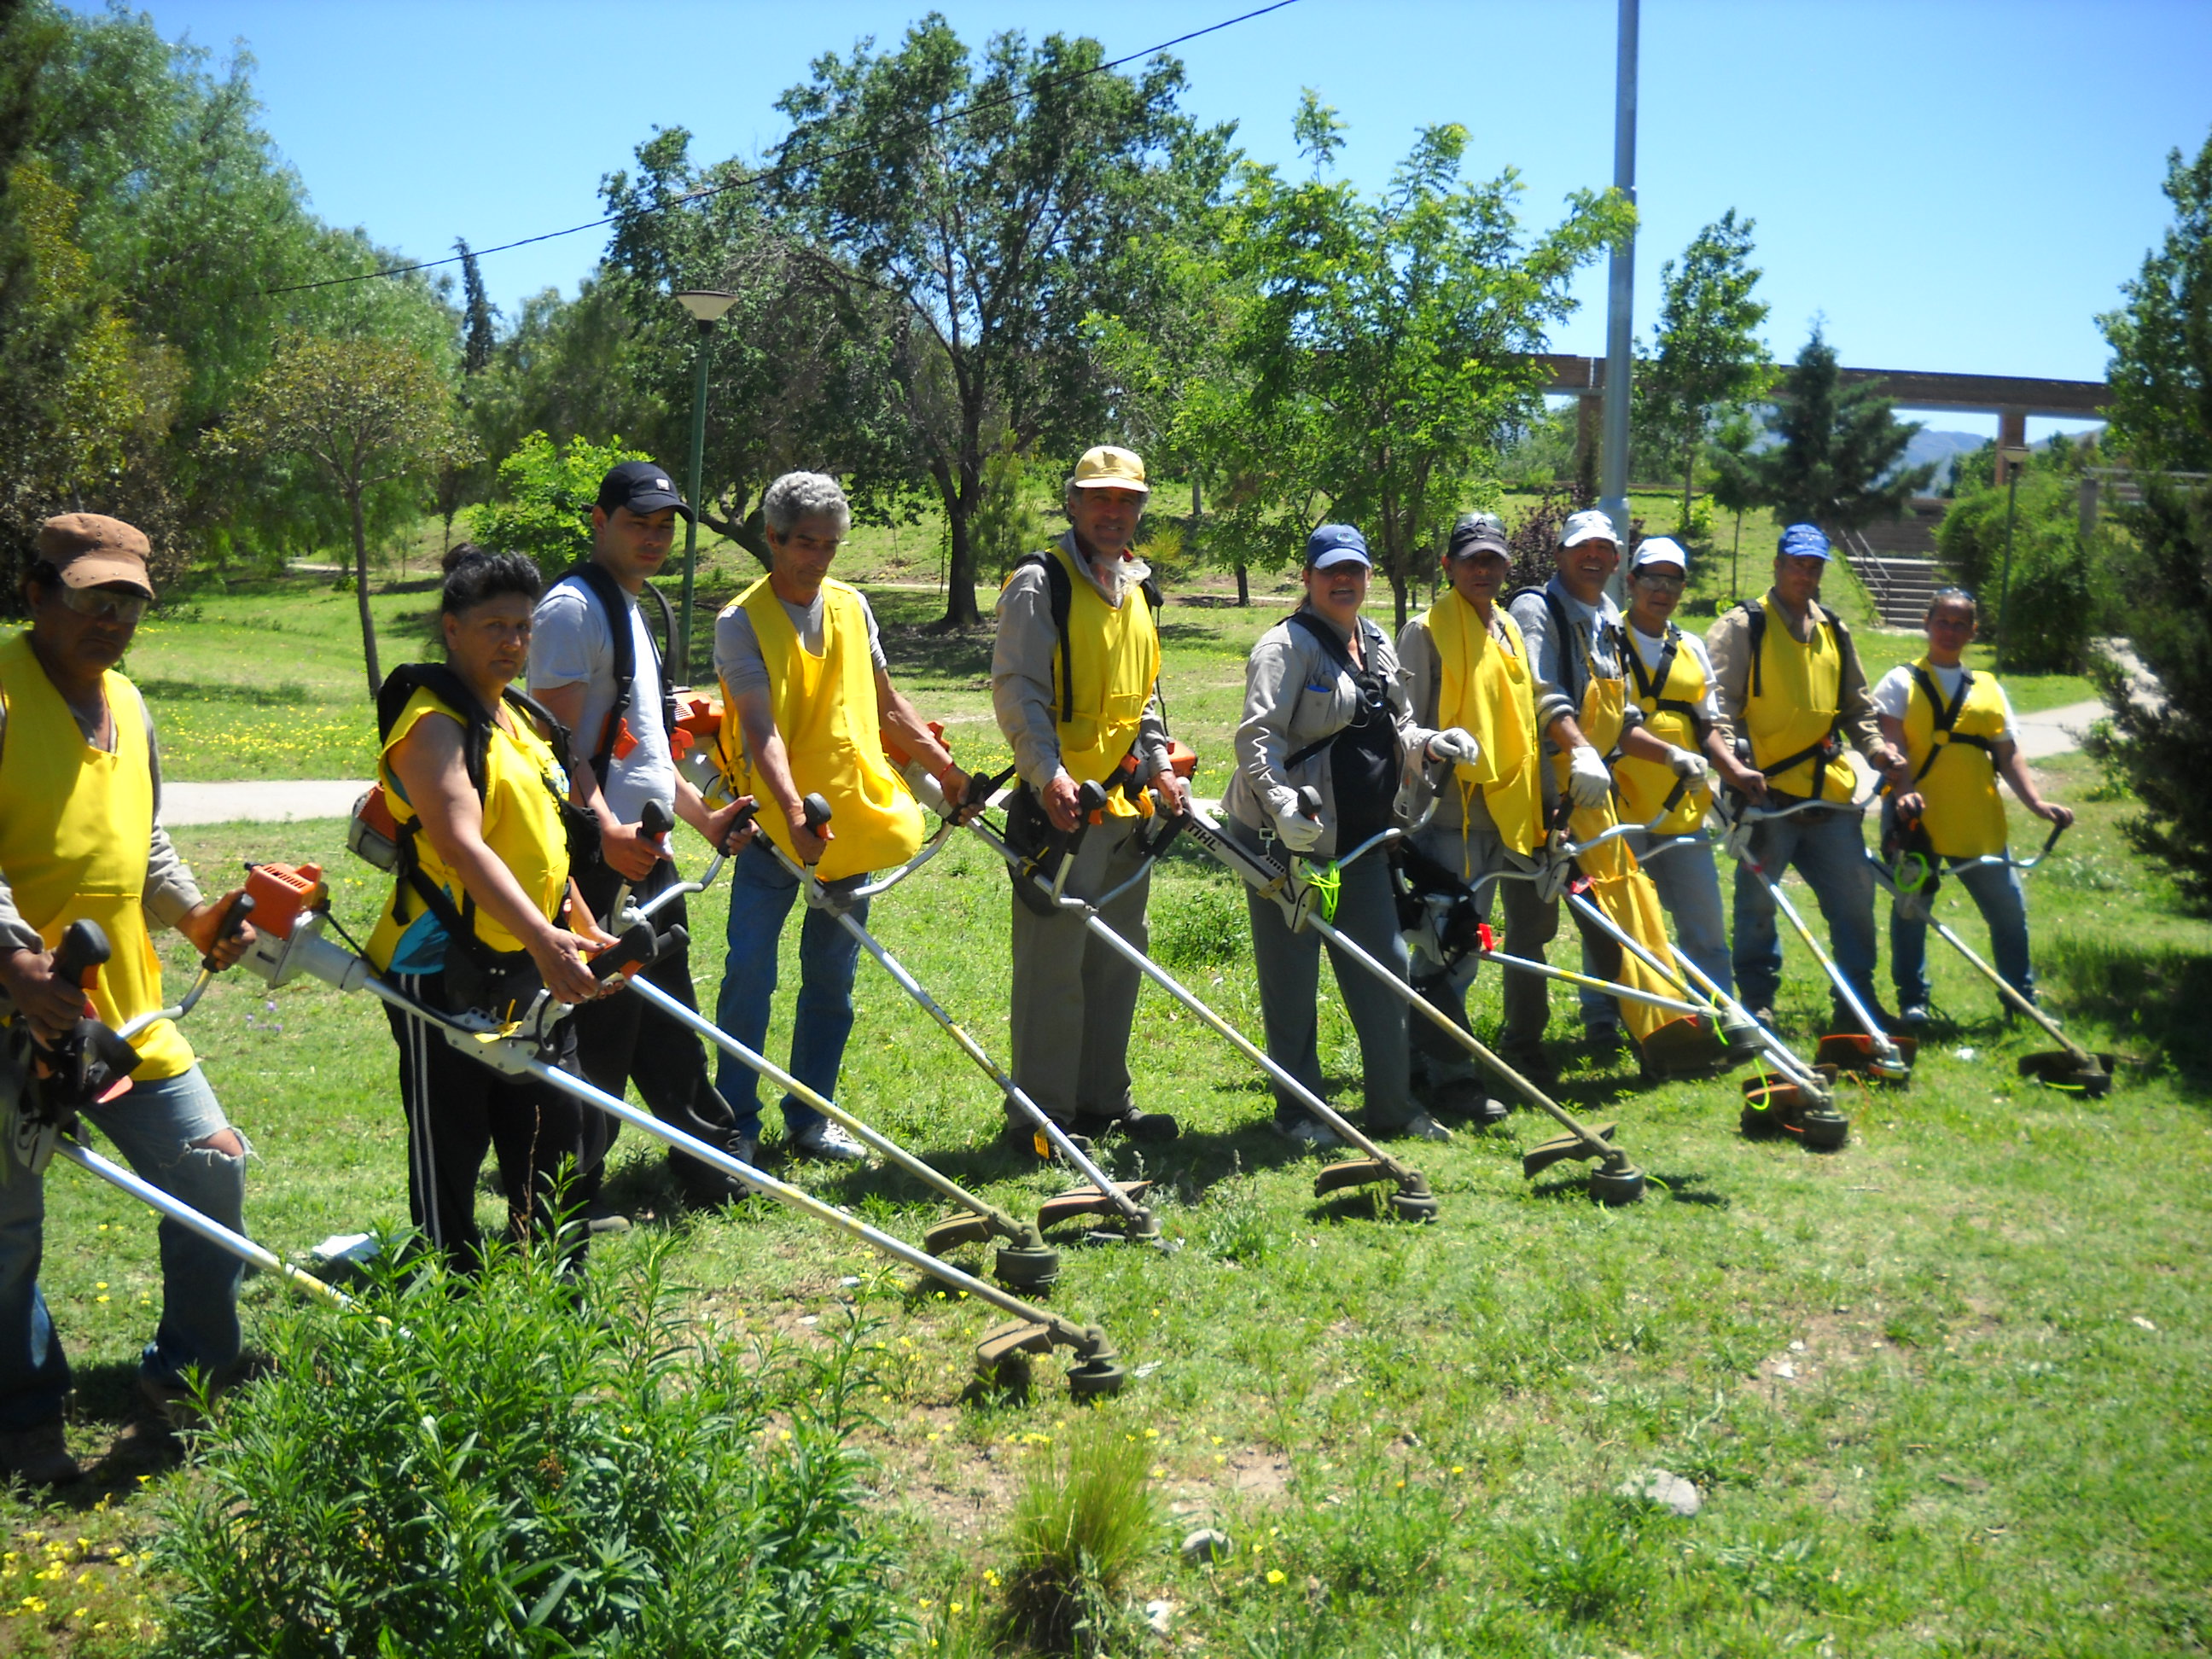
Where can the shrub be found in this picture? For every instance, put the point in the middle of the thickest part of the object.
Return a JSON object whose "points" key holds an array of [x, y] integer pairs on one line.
{"points": [[2048, 609], [544, 500], [525, 1466], [1085, 1514]]}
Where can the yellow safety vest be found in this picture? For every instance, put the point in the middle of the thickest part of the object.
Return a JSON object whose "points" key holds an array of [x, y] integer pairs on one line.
{"points": [[824, 709], [524, 785], [77, 830], [1953, 766], [1485, 687], [1113, 664], [1668, 698], [1795, 693]]}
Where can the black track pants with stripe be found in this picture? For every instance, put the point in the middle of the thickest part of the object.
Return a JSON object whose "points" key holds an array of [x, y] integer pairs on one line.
{"points": [[457, 1109]]}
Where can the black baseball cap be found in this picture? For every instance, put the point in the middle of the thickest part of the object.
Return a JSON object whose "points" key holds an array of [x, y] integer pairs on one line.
{"points": [[643, 487]]}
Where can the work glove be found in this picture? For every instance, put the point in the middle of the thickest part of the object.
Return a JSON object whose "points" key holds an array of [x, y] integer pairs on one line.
{"points": [[1589, 785], [1457, 745], [1688, 765], [1295, 831]]}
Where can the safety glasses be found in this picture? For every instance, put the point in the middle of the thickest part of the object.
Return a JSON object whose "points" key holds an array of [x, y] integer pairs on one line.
{"points": [[104, 604]]}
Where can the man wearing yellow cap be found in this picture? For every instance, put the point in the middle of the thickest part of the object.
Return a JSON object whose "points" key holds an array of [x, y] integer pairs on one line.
{"points": [[1074, 682], [80, 839]]}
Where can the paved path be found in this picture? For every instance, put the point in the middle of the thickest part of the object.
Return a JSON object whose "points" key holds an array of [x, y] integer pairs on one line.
{"points": [[260, 801], [2056, 731]]}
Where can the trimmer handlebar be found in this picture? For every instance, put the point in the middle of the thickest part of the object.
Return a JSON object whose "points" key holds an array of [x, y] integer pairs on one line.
{"points": [[655, 819], [232, 925], [637, 946], [83, 952], [817, 812]]}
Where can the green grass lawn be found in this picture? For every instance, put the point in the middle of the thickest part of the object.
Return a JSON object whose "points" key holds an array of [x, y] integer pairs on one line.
{"points": [[1943, 1391]]}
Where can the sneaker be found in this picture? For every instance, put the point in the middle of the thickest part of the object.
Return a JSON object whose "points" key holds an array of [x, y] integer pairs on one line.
{"points": [[1914, 1017], [601, 1226], [1308, 1134], [1420, 1127], [1151, 1127], [828, 1141], [38, 1456]]}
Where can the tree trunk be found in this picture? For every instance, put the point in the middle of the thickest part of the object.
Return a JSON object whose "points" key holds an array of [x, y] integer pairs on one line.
{"points": [[360, 596], [1398, 595], [960, 551], [1689, 481], [1243, 585]]}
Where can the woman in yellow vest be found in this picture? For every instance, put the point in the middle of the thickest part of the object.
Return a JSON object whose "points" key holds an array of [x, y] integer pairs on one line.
{"points": [[806, 698], [1955, 727], [486, 914], [80, 839], [1325, 708], [1469, 678]]}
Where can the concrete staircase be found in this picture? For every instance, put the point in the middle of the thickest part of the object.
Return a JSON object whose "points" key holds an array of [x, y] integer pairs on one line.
{"points": [[1900, 587]]}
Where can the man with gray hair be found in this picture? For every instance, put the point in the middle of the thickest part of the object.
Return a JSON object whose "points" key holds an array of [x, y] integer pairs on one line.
{"points": [[806, 699], [1074, 684]]}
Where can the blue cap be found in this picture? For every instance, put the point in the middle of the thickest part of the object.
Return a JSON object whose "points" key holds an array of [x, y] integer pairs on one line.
{"points": [[1801, 541], [1336, 544]]}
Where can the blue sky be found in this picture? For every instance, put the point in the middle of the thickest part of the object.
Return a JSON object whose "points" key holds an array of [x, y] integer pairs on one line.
{"points": [[1950, 185]]}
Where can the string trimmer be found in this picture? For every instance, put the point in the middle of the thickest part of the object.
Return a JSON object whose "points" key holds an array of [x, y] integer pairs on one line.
{"points": [[295, 905], [1870, 1050], [92, 1066], [1912, 885], [1305, 893], [1412, 1200]]}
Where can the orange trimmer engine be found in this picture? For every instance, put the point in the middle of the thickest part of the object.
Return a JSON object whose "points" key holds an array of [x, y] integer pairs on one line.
{"points": [[283, 893]]}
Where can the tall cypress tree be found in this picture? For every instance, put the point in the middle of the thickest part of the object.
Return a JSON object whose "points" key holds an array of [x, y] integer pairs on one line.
{"points": [[476, 338], [1837, 462]]}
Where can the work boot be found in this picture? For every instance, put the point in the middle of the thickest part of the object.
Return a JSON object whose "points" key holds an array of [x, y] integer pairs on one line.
{"points": [[1464, 1096], [1603, 1041], [38, 1455], [1149, 1126], [701, 1187], [1534, 1065]]}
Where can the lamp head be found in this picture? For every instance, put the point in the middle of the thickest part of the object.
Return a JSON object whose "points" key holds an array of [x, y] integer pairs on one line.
{"points": [[706, 305]]}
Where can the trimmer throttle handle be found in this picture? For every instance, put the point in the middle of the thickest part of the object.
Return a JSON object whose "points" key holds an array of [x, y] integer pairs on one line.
{"points": [[1309, 803], [655, 819], [1090, 798], [743, 817], [84, 951], [2057, 830], [232, 924], [638, 945], [817, 811]]}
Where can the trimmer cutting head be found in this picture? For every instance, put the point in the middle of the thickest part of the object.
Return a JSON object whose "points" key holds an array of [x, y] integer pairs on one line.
{"points": [[1613, 1180], [1779, 1107], [1687, 1047], [1412, 1201], [1560, 1148], [1090, 1201], [1861, 1054], [1741, 1036], [2057, 1069], [1001, 1357]]}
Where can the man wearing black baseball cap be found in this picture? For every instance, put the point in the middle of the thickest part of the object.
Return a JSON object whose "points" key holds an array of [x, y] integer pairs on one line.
{"points": [[607, 687]]}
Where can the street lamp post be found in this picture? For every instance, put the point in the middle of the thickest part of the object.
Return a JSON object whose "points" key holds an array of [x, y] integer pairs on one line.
{"points": [[707, 307]]}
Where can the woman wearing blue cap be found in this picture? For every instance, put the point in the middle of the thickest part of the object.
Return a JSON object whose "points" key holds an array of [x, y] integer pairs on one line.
{"points": [[1324, 707]]}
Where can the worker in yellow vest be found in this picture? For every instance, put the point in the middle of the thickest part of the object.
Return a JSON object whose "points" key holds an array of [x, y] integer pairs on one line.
{"points": [[1956, 729], [1791, 691], [1671, 681], [1469, 681], [81, 838], [1074, 681], [808, 697]]}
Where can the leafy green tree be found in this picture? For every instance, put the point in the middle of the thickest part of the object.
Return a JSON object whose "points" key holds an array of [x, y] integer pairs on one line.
{"points": [[2049, 609], [546, 492], [2162, 369], [1733, 491], [1707, 359], [2161, 570], [479, 324], [365, 411], [569, 368], [1381, 357], [1838, 462], [1001, 203]]}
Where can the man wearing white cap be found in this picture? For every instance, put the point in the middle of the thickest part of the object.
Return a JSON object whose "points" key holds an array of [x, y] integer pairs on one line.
{"points": [[1075, 684], [1671, 682], [1578, 647]]}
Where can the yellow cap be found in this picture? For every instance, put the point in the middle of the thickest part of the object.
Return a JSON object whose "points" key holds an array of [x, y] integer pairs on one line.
{"points": [[1109, 468]]}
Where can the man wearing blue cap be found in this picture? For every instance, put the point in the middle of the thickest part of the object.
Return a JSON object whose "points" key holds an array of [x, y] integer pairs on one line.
{"points": [[1792, 693]]}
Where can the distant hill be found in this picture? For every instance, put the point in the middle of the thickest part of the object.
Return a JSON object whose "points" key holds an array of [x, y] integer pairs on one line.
{"points": [[1941, 447]]}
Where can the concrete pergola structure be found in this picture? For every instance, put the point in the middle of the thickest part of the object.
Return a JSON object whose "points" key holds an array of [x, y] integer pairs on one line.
{"points": [[2012, 399]]}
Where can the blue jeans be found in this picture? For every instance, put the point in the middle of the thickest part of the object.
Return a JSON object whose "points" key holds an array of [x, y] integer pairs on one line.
{"points": [[1826, 846], [1997, 893], [155, 1127], [761, 892]]}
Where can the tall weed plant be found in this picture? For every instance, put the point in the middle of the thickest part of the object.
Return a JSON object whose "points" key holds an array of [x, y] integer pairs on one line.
{"points": [[1086, 1515], [523, 1465]]}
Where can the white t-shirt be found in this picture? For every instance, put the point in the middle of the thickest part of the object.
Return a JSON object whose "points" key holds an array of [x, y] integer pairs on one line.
{"points": [[570, 644], [1892, 693], [738, 656]]}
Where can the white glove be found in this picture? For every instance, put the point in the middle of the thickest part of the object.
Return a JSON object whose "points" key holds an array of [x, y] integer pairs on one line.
{"points": [[1295, 831], [1688, 764], [1457, 745], [1589, 785]]}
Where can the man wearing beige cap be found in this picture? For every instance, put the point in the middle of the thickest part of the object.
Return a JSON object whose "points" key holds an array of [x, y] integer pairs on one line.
{"points": [[1074, 684], [80, 839]]}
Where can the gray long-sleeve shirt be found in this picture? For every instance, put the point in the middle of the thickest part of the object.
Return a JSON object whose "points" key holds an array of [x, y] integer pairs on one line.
{"points": [[1021, 666], [1596, 631], [170, 891]]}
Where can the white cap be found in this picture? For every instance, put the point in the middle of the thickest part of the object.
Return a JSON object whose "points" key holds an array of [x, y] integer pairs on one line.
{"points": [[1588, 525], [1660, 549]]}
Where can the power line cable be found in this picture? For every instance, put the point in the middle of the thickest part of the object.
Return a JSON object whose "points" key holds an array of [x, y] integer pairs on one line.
{"points": [[770, 172]]}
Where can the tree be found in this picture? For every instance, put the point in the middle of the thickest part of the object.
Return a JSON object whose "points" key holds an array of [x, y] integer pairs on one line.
{"points": [[365, 411], [1837, 462], [1383, 354], [1733, 484], [2021, 548], [1707, 358], [2162, 369], [547, 491], [1000, 203], [478, 319]]}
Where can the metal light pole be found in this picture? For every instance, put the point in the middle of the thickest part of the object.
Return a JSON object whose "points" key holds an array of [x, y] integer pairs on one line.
{"points": [[2004, 576], [707, 307], [1613, 464]]}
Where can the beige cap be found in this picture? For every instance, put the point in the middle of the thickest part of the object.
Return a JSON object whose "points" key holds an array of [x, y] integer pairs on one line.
{"points": [[1109, 468], [91, 551]]}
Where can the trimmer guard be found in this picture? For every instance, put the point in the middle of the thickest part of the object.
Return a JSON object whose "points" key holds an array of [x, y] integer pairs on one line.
{"points": [[1687, 1047], [1857, 1053], [1087, 1200], [2057, 1069], [1560, 1149]]}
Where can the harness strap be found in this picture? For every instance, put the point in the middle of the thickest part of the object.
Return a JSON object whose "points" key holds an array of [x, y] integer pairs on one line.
{"points": [[1320, 633], [1947, 717]]}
